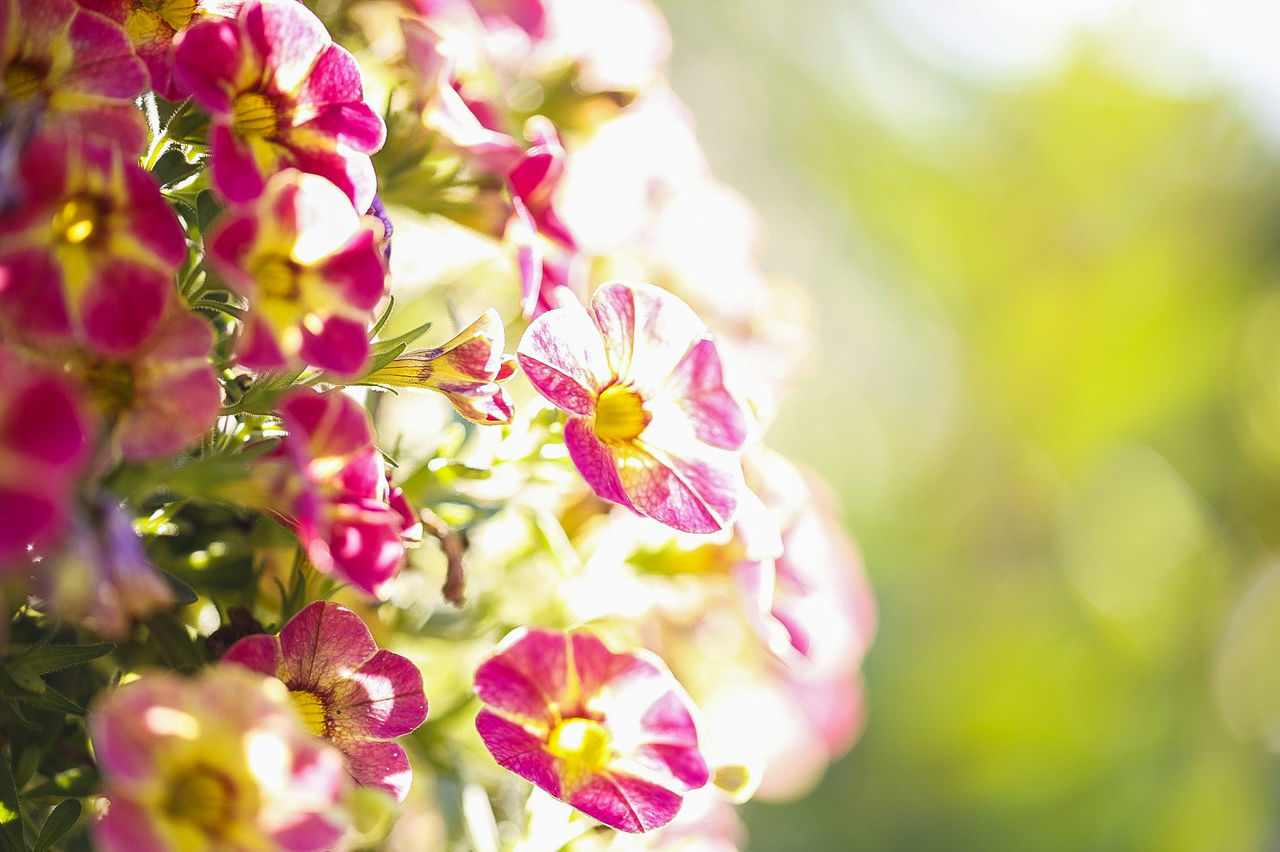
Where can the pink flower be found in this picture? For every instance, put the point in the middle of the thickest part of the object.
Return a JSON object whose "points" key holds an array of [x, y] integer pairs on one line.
{"points": [[91, 251], [349, 692], [281, 94], [610, 734], [76, 67], [466, 370], [43, 442], [164, 396], [651, 425], [311, 269], [350, 520], [220, 761], [152, 26]]}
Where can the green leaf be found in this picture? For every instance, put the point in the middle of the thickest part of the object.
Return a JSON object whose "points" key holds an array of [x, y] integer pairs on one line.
{"points": [[12, 838], [405, 339], [79, 781], [54, 658], [51, 699], [183, 594], [172, 168], [60, 821]]}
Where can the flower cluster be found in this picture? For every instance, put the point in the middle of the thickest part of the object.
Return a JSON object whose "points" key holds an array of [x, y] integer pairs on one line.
{"points": [[255, 522]]}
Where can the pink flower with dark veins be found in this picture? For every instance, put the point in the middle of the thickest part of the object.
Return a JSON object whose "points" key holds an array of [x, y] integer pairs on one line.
{"points": [[650, 423], [281, 94], [351, 693], [611, 734]]}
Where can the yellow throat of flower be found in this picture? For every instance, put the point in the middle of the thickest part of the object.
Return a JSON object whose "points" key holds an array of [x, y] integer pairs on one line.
{"points": [[77, 221], [620, 414], [312, 711], [21, 81], [253, 114], [584, 743], [201, 796]]}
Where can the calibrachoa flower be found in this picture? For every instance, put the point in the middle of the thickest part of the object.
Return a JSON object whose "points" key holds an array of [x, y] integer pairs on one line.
{"points": [[43, 442], [164, 396], [76, 66], [281, 94], [348, 691], [651, 425], [311, 269], [350, 520], [610, 734], [220, 762], [466, 370], [92, 249]]}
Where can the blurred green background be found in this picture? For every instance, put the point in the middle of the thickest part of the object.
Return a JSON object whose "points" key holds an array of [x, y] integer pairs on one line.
{"points": [[1044, 243]]}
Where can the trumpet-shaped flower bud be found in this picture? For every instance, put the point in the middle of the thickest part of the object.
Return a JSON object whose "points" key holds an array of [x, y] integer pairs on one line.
{"points": [[311, 270], [466, 370], [651, 425], [351, 693], [281, 94], [221, 761], [610, 734]]}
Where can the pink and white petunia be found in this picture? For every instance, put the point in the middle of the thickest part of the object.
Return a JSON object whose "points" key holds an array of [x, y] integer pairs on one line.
{"points": [[650, 423], [220, 762], [613, 735], [311, 268], [43, 443], [281, 94], [74, 69], [348, 691], [91, 251]]}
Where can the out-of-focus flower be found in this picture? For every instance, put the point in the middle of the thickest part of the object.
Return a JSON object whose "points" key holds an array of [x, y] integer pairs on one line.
{"points": [[76, 66], [311, 270], [164, 395], [466, 370], [350, 521], [281, 94], [610, 734], [348, 691], [651, 425], [216, 762], [103, 576], [90, 252], [43, 442], [152, 26]]}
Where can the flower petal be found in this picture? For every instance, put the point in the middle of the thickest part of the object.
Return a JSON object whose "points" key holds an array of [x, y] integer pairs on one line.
{"points": [[320, 643], [562, 354], [626, 802], [383, 765], [516, 749], [382, 699], [595, 461]]}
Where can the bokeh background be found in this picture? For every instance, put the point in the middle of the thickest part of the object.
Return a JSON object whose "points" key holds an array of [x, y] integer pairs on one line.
{"points": [[1044, 242]]}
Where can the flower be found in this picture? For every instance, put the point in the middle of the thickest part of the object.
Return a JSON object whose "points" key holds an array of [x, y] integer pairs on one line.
{"points": [[164, 396], [349, 692], [78, 69], [651, 425], [610, 734], [91, 251], [281, 93], [311, 270], [43, 443], [466, 370], [350, 520], [217, 762]]}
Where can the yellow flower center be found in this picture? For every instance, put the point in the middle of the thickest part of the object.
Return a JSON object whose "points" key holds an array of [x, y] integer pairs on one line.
{"points": [[620, 414], [77, 220], [112, 385], [201, 796], [22, 81], [177, 13], [582, 742], [277, 278], [253, 114], [312, 711], [146, 26]]}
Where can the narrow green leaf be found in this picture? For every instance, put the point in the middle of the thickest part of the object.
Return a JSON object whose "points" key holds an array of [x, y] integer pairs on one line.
{"points": [[183, 594], [76, 782], [407, 338], [12, 838], [51, 699], [52, 658], [60, 821]]}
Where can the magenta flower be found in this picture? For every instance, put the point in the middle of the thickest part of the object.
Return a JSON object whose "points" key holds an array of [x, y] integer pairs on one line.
{"points": [[43, 443], [311, 269], [651, 425], [90, 252], [281, 93], [220, 761], [75, 67], [349, 692], [610, 734], [352, 524], [467, 370]]}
